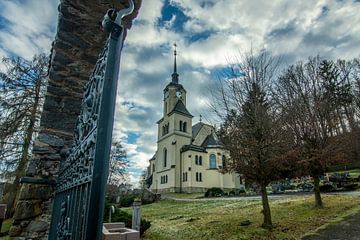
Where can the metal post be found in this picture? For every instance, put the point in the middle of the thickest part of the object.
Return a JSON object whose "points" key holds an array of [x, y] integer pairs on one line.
{"points": [[136, 216]]}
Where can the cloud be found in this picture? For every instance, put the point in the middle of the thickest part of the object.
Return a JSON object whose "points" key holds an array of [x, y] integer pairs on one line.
{"points": [[29, 27], [208, 33]]}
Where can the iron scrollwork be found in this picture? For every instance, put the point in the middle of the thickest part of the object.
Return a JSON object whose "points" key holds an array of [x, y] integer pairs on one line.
{"points": [[77, 183]]}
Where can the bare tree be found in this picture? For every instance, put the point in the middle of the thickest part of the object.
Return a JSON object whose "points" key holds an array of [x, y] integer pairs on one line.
{"points": [[251, 129], [118, 164], [22, 90], [316, 101]]}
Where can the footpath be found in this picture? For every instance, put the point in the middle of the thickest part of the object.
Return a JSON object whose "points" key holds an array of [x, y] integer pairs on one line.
{"points": [[347, 229]]}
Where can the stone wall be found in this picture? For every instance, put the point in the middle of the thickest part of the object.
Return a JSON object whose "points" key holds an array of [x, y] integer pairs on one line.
{"points": [[78, 41]]}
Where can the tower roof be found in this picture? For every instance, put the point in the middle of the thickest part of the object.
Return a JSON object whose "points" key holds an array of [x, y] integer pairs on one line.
{"points": [[180, 108]]}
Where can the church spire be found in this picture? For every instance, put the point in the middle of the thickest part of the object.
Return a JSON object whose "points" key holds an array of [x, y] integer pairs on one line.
{"points": [[175, 75]]}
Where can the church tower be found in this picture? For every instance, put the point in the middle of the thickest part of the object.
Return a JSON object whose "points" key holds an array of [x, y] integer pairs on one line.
{"points": [[174, 131], [189, 158]]}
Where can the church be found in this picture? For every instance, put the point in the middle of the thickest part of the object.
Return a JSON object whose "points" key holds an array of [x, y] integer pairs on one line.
{"points": [[189, 158]]}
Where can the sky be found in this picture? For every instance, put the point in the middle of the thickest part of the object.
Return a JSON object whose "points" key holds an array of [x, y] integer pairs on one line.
{"points": [[210, 35]]}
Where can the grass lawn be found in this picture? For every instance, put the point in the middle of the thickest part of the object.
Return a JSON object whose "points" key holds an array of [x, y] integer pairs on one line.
{"points": [[354, 173], [185, 195], [292, 217], [5, 228]]}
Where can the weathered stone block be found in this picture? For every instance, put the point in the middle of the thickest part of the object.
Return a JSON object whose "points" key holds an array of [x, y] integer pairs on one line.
{"points": [[31, 168], [27, 209], [59, 121], [51, 140], [35, 192], [14, 231], [37, 226]]}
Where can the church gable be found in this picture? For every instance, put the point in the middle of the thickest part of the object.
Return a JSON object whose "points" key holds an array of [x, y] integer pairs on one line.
{"points": [[212, 141], [200, 132]]}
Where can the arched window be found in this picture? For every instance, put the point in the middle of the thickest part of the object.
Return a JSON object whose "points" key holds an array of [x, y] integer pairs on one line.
{"points": [[166, 108], [184, 127], [165, 157], [153, 167], [223, 162], [198, 177], [196, 160], [200, 160], [181, 125], [212, 161]]}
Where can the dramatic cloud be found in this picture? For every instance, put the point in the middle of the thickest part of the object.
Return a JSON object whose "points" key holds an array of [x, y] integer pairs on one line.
{"points": [[27, 27], [209, 34]]}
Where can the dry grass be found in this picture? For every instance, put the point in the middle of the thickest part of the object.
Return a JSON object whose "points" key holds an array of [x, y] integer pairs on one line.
{"points": [[293, 217]]}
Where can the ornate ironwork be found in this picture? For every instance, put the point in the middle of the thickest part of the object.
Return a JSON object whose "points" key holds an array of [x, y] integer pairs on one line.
{"points": [[80, 191]]}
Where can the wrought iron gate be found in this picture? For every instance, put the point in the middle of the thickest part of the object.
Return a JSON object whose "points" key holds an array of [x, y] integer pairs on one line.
{"points": [[80, 192]]}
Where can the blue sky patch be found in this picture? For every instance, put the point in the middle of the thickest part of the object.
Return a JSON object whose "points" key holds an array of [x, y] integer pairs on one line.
{"points": [[200, 36], [132, 137], [4, 23], [168, 12]]}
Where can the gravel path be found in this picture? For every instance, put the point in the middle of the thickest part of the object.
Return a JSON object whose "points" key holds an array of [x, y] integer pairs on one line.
{"points": [[347, 229]]}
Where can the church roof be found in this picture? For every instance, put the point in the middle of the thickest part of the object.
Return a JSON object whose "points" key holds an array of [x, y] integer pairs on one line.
{"points": [[180, 108], [211, 141], [192, 147], [196, 128]]}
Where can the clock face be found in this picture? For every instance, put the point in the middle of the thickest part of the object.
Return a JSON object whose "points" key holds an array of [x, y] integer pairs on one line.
{"points": [[178, 94]]}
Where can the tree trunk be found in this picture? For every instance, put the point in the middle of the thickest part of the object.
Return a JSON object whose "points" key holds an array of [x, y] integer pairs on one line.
{"points": [[318, 201], [266, 208]]}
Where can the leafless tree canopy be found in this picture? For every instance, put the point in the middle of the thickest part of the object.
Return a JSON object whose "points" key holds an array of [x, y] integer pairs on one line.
{"points": [[22, 90]]}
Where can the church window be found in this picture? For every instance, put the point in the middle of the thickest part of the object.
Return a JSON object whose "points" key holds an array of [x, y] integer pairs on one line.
{"points": [[181, 126], [223, 162], [165, 129], [185, 177], [196, 160], [165, 157], [153, 167], [198, 177], [166, 108], [166, 178], [212, 161], [200, 160], [184, 127]]}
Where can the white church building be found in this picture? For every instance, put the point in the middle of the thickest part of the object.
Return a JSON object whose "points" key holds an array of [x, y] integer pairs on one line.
{"points": [[189, 158]]}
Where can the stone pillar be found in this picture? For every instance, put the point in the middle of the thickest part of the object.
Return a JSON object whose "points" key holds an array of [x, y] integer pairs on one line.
{"points": [[136, 215], [78, 42]]}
